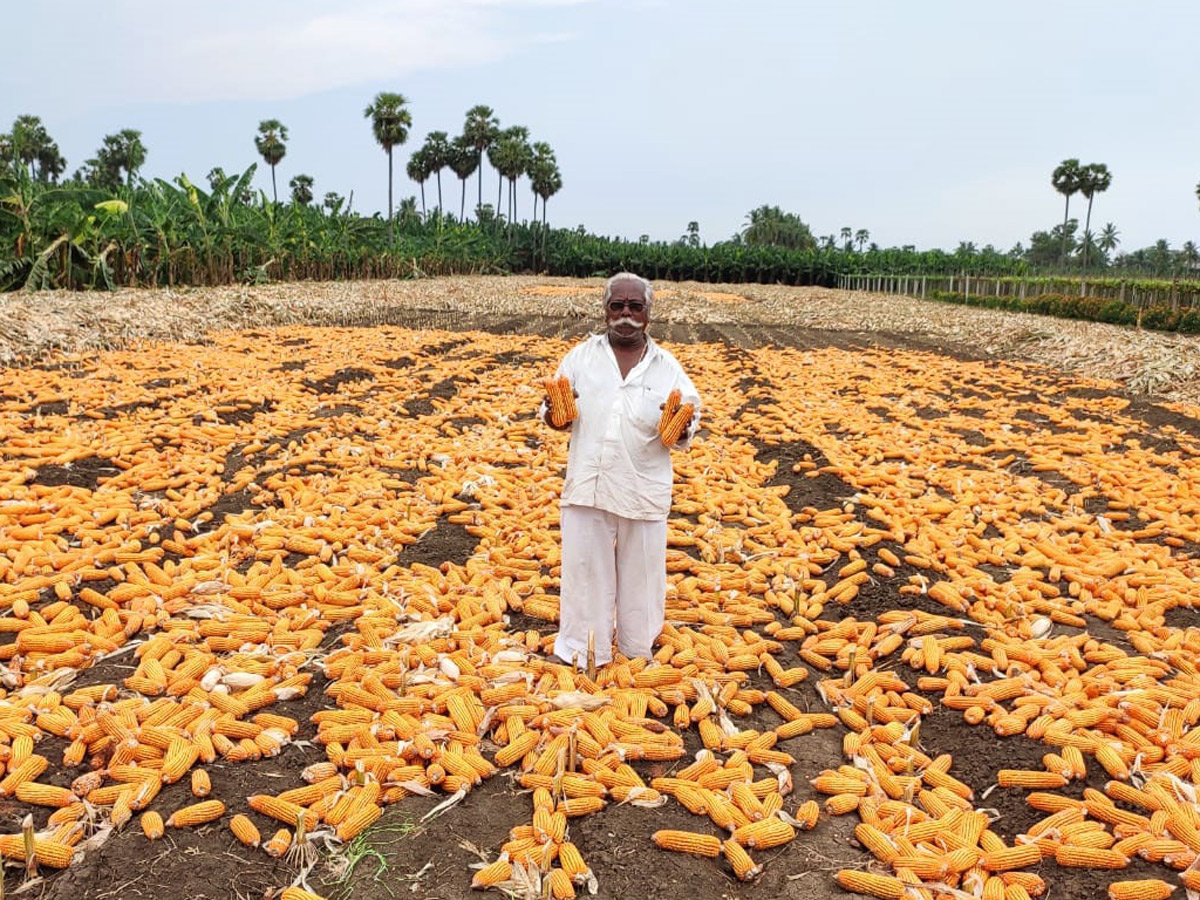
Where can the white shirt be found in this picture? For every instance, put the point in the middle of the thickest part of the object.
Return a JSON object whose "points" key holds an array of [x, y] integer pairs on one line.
{"points": [[616, 460]]}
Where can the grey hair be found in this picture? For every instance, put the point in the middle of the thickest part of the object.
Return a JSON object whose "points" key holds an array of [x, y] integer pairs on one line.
{"points": [[647, 288]]}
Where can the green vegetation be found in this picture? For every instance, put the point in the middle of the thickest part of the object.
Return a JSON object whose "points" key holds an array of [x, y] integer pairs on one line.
{"points": [[106, 226], [1158, 316]]}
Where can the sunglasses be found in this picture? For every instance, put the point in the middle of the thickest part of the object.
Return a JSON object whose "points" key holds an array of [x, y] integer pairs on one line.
{"points": [[634, 306]]}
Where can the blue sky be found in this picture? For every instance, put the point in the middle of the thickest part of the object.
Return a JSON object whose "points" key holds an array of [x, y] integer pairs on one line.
{"points": [[926, 122]]}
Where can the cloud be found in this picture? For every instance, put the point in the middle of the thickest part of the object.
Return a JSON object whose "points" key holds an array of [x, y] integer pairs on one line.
{"points": [[139, 51]]}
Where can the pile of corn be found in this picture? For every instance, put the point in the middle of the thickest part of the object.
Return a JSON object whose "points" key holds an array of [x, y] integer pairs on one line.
{"points": [[431, 688]]}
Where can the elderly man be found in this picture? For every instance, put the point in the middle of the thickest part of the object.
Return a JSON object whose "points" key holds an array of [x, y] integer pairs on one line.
{"points": [[617, 493]]}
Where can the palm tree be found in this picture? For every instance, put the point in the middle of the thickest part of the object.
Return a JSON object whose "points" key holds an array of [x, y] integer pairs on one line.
{"points": [[120, 152], [390, 122], [547, 181], [418, 170], [28, 139], [437, 156], [271, 143], [1189, 255], [847, 234], [1065, 179], [1094, 179], [512, 157], [464, 160], [1109, 238], [301, 187], [861, 237], [480, 131], [50, 162]]}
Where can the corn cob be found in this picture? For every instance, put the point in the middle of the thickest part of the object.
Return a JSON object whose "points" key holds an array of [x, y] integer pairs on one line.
{"points": [[885, 887], [688, 842], [562, 401], [279, 843], [1145, 889], [201, 785], [669, 409], [560, 885], [737, 857], [765, 834], [1089, 857], [197, 814], [152, 825], [245, 830], [678, 424], [296, 893]]}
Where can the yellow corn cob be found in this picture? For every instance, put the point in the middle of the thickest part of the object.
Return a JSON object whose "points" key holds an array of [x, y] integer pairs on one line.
{"points": [[201, 784], [28, 770], [492, 874], [357, 821], [197, 814], [677, 425], [840, 804], [765, 834], [295, 893], [45, 794], [883, 886], [152, 825], [807, 814], [279, 843], [1145, 889], [562, 400], [581, 806], [572, 862], [1019, 856], [1026, 778], [54, 854], [560, 885], [1089, 857], [669, 409], [122, 810], [743, 866], [688, 842], [282, 810], [245, 830]]}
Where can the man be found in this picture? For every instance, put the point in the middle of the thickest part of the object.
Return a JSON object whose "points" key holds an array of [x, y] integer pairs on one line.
{"points": [[617, 493]]}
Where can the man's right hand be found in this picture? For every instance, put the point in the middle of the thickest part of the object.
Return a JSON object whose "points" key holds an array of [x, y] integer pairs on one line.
{"points": [[546, 415], [546, 419]]}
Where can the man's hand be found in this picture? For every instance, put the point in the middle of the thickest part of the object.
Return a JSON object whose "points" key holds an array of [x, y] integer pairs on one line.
{"points": [[685, 435]]}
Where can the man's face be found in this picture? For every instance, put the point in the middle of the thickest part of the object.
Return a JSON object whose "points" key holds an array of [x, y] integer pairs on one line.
{"points": [[626, 313]]}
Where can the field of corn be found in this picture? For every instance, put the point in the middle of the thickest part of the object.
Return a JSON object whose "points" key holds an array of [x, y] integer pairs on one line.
{"points": [[275, 604]]}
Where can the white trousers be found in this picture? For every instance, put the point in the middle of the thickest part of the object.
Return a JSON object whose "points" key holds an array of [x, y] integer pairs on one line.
{"points": [[613, 570]]}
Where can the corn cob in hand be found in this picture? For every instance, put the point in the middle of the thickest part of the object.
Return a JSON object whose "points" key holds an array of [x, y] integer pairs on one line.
{"points": [[671, 431], [561, 401]]}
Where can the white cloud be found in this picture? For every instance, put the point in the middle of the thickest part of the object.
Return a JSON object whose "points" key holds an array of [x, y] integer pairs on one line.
{"points": [[272, 50]]}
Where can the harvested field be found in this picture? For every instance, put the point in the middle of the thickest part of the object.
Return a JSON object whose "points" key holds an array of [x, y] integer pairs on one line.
{"points": [[320, 562]]}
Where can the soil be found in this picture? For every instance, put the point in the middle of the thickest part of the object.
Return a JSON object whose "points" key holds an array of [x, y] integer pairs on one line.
{"points": [[403, 856]]}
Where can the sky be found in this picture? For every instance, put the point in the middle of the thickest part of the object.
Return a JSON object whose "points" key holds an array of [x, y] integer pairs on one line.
{"points": [[926, 122]]}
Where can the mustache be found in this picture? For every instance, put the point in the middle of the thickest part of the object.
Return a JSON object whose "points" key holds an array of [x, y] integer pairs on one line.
{"points": [[626, 320]]}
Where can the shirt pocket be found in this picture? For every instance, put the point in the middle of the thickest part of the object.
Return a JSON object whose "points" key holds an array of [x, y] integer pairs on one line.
{"points": [[647, 409]]}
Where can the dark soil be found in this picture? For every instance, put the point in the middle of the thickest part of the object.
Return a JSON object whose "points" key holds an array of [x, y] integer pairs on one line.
{"points": [[85, 473], [334, 382]]}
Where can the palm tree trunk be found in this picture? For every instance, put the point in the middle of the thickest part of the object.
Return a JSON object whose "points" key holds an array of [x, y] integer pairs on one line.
{"points": [[499, 191], [462, 209], [514, 196], [391, 215], [274, 190], [439, 178], [479, 201], [422, 200], [1066, 216], [1087, 226]]}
